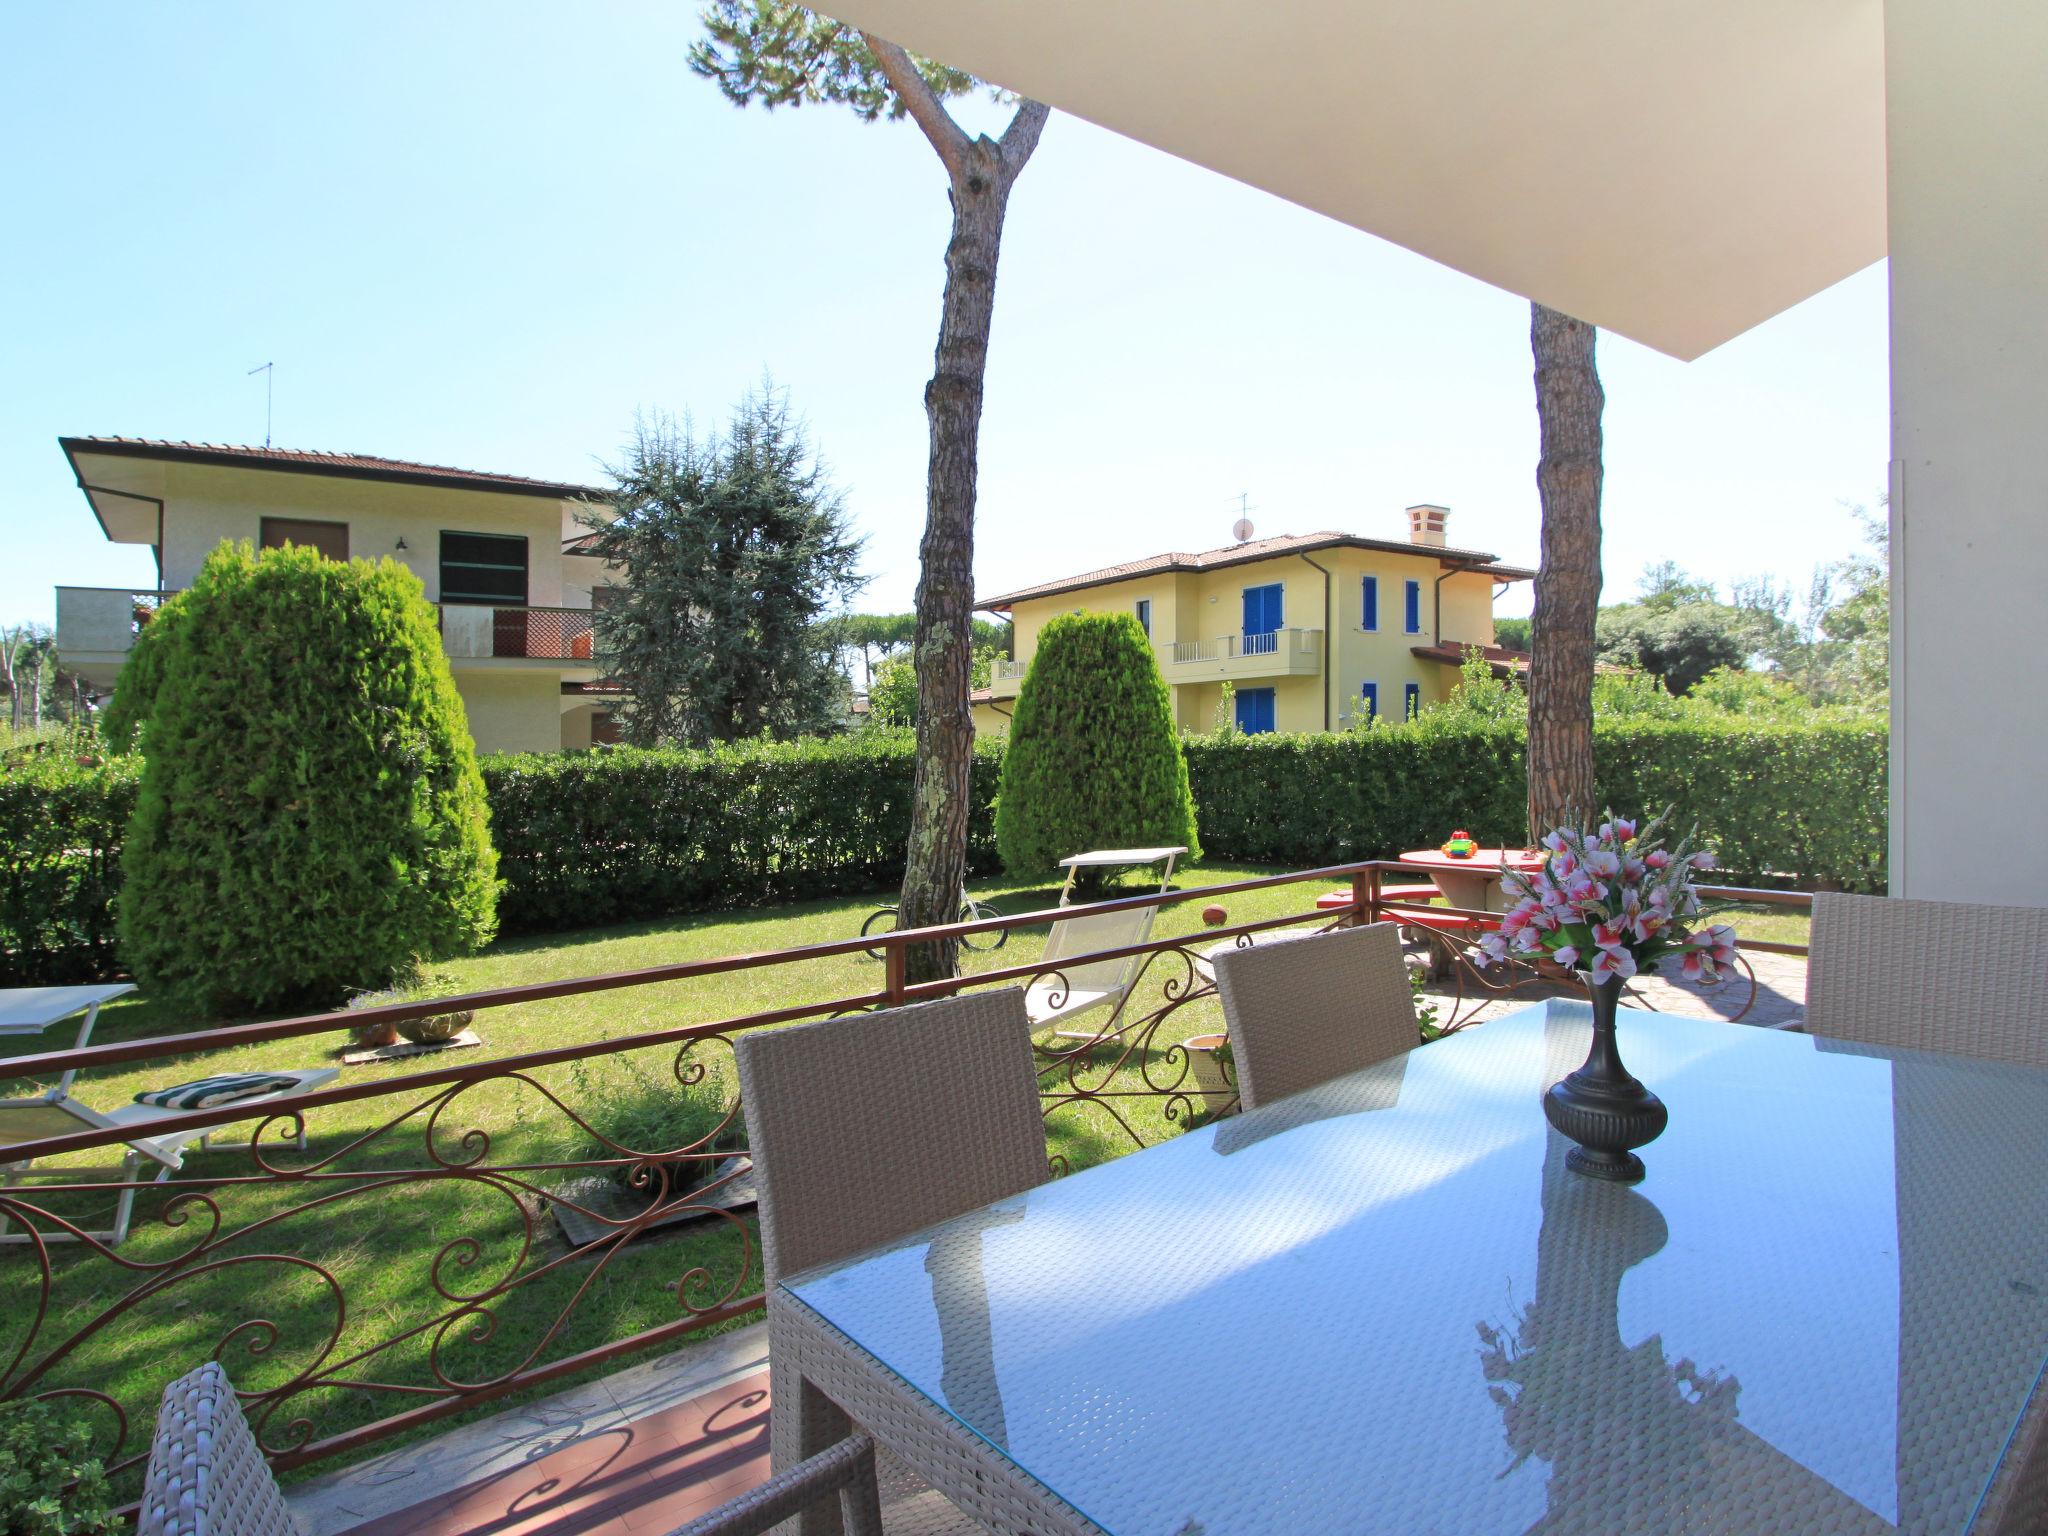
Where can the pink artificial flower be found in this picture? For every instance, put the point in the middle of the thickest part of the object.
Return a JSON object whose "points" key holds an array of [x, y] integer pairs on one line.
{"points": [[1603, 862], [1565, 955], [1657, 858], [1612, 962], [1695, 965], [1493, 949], [1609, 935], [1632, 871], [1514, 920], [1565, 863], [1704, 859], [1555, 841]]}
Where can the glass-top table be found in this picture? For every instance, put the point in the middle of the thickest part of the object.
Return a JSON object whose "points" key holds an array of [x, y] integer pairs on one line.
{"points": [[1384, 1305]]}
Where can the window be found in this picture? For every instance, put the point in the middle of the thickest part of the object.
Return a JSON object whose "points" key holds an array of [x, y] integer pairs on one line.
{"points": [[1411, 700], [1262, 620], [1145, 616], [1369, 604], [331, 539], [1414, 606], [1254, 710], [483, 568], [1369, 697]]}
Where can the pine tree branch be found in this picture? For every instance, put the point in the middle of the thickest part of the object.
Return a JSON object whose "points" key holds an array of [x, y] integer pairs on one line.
{"points": [[955, 149], [1021, 137]]}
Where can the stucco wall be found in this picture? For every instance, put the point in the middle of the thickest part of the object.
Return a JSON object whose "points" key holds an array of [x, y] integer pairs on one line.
{"points": [[1209, 605], [512, 711], [204, 504], [1967, 116]]}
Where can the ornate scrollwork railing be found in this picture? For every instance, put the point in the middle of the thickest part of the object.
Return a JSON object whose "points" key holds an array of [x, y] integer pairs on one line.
{"points": [[384, 1253]]}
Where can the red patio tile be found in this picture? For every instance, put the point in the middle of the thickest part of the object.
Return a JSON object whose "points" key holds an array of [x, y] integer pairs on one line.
{"points": [[645, 1477]]}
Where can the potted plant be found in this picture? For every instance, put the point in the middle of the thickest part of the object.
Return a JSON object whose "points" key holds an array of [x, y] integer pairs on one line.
{"points": [[430, 1030], [50, 1482], [1608, 905]]}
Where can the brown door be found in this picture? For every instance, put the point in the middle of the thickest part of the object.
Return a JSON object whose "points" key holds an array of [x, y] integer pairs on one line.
{"points": [[331, 539]]}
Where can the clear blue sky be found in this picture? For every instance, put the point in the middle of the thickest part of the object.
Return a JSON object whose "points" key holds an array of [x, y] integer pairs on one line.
{"points": [[485, 234]]}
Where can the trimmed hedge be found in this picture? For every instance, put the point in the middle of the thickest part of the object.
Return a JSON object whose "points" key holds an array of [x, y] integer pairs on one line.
{"points": [[599, 837], [1777, 801], [602, 837], [61, 827]]}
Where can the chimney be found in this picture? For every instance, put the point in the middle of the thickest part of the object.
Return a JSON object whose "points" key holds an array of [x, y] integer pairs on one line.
{"points": [[1426, 525]]}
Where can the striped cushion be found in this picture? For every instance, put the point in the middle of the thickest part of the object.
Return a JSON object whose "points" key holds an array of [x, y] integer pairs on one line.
{"points": [[212, 1092]]}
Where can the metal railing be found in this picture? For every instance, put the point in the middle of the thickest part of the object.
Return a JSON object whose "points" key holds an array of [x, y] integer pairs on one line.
{"points": [[1229, 647], [291, 1189], [475, 630]]}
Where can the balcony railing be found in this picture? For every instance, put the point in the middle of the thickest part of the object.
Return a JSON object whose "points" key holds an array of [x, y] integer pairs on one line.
{"points": [[106, 620], [329, 1373], [471, 631]]}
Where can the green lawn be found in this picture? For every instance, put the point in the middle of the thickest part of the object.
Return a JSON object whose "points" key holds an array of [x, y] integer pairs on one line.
{"points": [[379, 1241]]}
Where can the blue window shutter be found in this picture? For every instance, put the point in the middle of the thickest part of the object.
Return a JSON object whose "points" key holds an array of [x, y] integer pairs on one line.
{"points": [[1414, 595], [1369, 611], [1370, 694], [1255, 714], [1411, 700]]}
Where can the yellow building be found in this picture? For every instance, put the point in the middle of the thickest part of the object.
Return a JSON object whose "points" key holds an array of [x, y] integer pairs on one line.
{"points": [[1309, 629], [501, 557]]}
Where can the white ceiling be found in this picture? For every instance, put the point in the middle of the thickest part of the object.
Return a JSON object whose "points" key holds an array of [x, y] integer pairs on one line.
{"points": [[1673, 170]]}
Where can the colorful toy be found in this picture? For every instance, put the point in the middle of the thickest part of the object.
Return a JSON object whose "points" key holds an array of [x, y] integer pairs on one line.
{"points": [[1461, 846]]}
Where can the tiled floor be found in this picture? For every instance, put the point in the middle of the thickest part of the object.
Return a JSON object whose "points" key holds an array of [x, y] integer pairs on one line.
{"points": [[642, 1478]]}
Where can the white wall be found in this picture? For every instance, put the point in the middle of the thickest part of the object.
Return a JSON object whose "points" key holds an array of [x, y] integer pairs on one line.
{"points": [[1968, 148]]}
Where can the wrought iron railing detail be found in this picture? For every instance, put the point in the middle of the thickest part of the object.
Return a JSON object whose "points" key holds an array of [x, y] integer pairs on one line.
{"points": [[496, 1269]]}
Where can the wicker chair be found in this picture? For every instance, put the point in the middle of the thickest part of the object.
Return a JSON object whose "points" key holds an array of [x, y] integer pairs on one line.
{"points": [[1930, 976], [830, 1112], [206, 1475], [1300, 1014]]}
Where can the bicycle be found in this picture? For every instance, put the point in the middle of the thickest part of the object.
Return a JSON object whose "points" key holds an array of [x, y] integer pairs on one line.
{"points": [[883, 920]]}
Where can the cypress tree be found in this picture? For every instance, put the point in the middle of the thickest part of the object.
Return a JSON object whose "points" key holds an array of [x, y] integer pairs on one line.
{"points": [[1093, 759], [311, 817]]}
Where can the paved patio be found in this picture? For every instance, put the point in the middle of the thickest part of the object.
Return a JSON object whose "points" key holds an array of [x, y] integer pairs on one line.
{"points": [[1779, 1001]]}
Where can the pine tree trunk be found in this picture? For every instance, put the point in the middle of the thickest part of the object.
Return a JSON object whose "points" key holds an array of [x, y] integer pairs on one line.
{"points": [[1568, 476], [936, 868]]}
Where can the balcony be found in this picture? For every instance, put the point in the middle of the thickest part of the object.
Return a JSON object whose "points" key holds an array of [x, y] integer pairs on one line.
{"points": [[97, 626], [484, 632], [1007, 676], [1234, 658]]}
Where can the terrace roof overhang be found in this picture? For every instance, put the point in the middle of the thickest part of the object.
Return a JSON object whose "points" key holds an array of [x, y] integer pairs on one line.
{"points": [[1676, 172]]}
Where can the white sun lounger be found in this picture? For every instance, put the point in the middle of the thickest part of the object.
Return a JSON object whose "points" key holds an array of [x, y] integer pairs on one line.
{"points": [[58, 1114], [1068, 992]]}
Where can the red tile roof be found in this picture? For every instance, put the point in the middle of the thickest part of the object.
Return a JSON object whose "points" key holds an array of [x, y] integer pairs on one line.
{"points": [[359, 466], [1257, 549], [1453, 652]]}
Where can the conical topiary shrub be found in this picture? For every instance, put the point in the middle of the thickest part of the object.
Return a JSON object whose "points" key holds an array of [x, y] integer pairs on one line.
{"points": [[310, 818], [1093, 759]]}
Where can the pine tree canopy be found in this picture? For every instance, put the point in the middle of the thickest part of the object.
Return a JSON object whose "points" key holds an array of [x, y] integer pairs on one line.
{"points": [[734, 547]]}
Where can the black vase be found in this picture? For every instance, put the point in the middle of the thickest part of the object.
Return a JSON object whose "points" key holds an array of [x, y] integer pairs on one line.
{"points": [[1600, 1107]]}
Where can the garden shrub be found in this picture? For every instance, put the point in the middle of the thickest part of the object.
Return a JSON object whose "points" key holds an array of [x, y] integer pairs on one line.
{"points": [[621, 834], [63, 814], [1093, 760], [1780, 800], [51, 1484], [310, 818], [606, 836]]}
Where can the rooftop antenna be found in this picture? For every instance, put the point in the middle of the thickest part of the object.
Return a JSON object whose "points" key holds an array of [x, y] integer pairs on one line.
{"points": [[265, 370], [1241, 530]]}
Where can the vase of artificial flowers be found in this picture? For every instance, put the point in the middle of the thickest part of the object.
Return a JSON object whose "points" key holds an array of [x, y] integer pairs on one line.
{"points": [[1609, 905]]}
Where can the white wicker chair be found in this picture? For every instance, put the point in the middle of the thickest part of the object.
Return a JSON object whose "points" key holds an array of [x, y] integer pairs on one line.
{"points": [[1304, 1012], [1930, 976]]}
